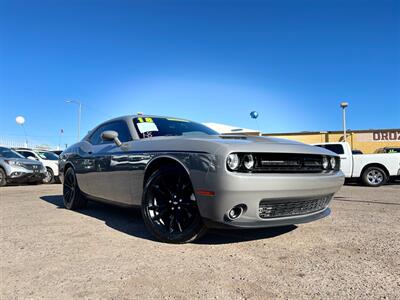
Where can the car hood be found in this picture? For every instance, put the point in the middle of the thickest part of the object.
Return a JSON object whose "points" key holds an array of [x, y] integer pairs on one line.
{"points": [[225, 144]]}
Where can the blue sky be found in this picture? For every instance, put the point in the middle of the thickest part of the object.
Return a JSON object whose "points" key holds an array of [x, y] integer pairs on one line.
{"points": [[210, 61]]}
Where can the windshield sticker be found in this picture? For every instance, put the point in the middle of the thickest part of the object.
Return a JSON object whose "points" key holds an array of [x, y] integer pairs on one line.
{"points": [[146, 126], [147, 120]]}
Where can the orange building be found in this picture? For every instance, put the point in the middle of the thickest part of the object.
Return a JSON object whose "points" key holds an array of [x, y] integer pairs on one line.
{"points": [[368, 141]]}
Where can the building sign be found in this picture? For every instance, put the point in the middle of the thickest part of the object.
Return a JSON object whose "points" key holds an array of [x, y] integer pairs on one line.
{"points": [[379, 136]]}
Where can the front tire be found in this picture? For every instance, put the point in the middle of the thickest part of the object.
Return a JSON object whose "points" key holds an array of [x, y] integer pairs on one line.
{"points": [[169, 207], [49, 177], [374, 176], [3, 177], [73, 198]]}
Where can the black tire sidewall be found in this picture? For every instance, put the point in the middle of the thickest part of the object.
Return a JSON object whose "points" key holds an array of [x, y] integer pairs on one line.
{"points": [[365, 176], [78, 200], [196, 230], [3, 181]]}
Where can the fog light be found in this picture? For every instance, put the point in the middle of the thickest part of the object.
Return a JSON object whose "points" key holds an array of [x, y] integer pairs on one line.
{"points": [[16, 174], [235, 212]]}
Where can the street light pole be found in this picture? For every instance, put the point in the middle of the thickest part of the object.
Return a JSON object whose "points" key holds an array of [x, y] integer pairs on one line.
{"points": [[343, 105], [79, 115]]}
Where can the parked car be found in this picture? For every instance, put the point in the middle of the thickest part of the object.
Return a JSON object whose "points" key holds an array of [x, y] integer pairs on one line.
{"points": [[14, 168], [373, 169], [388, 150], [186, 177], [47, 158]]}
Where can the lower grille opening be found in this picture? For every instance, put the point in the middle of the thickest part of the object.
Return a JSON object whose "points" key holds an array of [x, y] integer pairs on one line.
{"points": [[285, 208]]}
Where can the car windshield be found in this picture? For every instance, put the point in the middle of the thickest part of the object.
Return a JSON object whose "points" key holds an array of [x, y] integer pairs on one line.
{"points": [[152, 127], [8, 153], [47, 155]]}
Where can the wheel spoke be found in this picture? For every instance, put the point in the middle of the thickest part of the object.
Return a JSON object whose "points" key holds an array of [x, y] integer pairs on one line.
{"points": [[157, 207], [171, 222], [160, 214], [179, 225]]}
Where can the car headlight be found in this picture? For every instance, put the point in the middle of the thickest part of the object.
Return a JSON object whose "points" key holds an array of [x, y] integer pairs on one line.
{"points": [[233, 161], [325, 162], [248, 161], [12, 162], [333, 162]]}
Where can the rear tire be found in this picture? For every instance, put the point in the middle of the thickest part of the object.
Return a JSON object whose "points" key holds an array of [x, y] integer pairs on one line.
{"points": [[3, 177], [374, 177], [169, 207], [73, 198]]}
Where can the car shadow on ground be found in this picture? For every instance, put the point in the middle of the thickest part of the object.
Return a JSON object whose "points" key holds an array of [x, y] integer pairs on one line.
{"points": [[129, 221]]}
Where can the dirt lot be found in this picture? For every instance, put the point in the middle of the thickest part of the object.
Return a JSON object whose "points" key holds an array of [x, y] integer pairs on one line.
{"points": [[105, 252]]}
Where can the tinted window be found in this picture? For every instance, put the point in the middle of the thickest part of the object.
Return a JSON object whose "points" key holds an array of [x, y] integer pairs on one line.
{"points": [[47, 155], [338, 149], [8, 153], [26, 154], [151, 127], [119, 126]]}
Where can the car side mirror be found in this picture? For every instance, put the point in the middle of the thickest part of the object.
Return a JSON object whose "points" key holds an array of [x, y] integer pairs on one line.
{"points": [[111, 135], [32, 157]]}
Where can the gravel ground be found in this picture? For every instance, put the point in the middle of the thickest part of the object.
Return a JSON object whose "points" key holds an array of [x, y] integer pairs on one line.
{"points": [[105, 252]]}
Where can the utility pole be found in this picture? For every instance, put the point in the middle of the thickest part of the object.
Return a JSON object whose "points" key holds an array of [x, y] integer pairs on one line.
{"points": [[343, 105]]}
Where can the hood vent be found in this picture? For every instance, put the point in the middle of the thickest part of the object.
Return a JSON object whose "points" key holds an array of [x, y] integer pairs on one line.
{"points": [[233, 137]]}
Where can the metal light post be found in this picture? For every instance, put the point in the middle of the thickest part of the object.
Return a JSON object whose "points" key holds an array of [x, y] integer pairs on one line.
{"points": [[20, 121], [343, 105], [79, 115]]}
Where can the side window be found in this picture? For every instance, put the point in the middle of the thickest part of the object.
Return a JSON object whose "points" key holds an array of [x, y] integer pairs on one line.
{"points": [[338, 149], [119, 126], [25, 154], [95, 138]]}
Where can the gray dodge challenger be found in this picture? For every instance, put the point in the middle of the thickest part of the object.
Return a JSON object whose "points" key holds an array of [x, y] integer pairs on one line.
{"points": [[187, 178]]}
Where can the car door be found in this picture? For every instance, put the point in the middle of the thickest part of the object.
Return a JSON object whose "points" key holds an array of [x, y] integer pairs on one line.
{"points": [[102, 178]]}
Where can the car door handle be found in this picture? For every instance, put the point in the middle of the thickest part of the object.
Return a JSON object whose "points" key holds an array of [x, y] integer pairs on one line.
{"points": [[343, 158]]}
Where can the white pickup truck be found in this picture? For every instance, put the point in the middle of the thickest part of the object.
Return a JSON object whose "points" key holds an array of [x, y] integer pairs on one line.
{"points": [[373, 169]]}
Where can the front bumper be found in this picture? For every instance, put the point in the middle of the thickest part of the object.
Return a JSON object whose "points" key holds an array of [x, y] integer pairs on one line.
{"points": [[26, 177], [18, 174], [249, 190]]}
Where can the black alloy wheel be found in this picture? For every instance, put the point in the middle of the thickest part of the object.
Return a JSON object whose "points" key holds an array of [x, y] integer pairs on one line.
{"points": [[169, 207], [73, 198]]}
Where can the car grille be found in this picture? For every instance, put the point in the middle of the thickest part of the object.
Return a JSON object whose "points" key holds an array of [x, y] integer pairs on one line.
{"points": [[288, 163], [281, 208], [31, 166]]}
